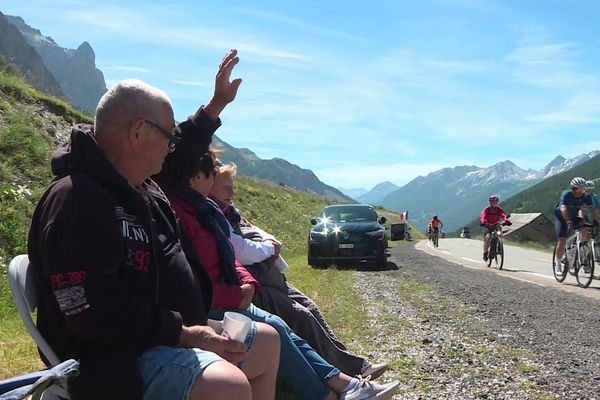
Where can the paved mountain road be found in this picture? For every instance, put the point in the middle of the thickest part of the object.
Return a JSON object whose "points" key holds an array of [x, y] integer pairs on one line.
{"points": [[455, 329], [533, 266]]}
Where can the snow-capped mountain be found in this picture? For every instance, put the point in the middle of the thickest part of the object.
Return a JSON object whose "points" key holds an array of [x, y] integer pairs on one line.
{"points": [[501, 172], [560, 164]]}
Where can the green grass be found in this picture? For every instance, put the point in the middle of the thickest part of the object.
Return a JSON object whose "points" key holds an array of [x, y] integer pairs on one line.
{"points": [[25, 147]]}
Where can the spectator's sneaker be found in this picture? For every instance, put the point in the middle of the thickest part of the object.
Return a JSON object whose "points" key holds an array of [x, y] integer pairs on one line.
{"points": [[374, 370], [367, 390], [485, 256]]}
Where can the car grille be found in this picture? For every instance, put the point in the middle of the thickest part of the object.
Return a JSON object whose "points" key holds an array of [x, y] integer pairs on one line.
{"points": [[350, 237]]}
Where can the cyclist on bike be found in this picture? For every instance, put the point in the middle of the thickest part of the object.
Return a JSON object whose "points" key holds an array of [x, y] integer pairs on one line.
{"points": [[429, 232], [596, 200], [436, 224], [490, 217], [569, 214], [590, 186]]}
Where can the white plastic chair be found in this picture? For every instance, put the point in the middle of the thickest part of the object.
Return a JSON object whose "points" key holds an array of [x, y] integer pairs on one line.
{"points": [[21, 279], [22, 283]]}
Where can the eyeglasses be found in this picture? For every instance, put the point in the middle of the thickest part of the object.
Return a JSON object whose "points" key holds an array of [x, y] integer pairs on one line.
{"points": [[173, 139]]}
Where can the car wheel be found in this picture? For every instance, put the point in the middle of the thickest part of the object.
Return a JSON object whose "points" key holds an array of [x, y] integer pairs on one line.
{"points": [[314, 262], [381, 259]]}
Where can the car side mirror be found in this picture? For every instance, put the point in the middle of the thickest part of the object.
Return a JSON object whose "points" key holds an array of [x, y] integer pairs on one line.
{"points": [[313, 221], [382, 220]]}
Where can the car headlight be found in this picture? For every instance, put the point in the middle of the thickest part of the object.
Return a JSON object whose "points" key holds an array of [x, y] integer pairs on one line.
{"points": [[379, 234], [316, 235]]}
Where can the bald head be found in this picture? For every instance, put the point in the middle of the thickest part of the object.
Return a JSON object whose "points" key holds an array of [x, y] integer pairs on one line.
{"points": [[127, 100], [130, 119]]}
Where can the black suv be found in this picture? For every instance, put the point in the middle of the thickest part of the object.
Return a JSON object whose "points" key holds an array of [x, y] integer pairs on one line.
{"points": [[347, 233]]}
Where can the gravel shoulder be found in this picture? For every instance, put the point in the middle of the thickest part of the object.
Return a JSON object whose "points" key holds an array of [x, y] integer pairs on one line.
{"points": [[450, 332]]}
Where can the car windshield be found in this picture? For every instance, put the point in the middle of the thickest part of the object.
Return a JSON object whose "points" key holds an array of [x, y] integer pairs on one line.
{"points": [[349, 214]]}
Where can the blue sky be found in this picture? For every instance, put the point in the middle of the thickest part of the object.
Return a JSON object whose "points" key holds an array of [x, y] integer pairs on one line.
{"points": [[361, 92]]}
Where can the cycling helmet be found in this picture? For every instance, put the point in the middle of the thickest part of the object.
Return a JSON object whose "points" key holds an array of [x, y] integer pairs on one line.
{"points": [[435, 217], [493, 198], [590, 185], [578, 182]]}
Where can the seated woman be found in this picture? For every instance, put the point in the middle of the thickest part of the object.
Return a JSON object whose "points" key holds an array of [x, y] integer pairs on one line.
{"points": [[258, 251], [307, 373]]}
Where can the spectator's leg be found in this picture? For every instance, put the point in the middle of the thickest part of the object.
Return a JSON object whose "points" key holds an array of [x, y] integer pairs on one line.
{"points": [[299, 365], [188, 373], [311, 306], [306, 321], [262, 362], [221, 380]]}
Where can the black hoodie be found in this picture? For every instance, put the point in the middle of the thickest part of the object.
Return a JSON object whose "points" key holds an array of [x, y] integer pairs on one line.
{"points": [[110, 268]]}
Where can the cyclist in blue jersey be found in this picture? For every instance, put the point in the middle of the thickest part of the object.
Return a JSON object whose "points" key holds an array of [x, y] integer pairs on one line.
{"points": [[569, 214]]}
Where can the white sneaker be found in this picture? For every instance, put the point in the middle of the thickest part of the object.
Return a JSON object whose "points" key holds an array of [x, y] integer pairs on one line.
{"points": [[367, 390], [557, 267], [374, 370]]}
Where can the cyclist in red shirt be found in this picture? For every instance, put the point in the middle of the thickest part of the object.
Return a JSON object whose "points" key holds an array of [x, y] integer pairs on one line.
{"points": [[490, 216], [435, 224]]}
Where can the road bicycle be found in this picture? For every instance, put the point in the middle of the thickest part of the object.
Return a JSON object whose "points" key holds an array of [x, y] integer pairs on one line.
{"points": [[496, 251], [578, 259]]}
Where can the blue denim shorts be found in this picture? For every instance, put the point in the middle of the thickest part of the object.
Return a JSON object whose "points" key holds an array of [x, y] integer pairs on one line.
{"points": [[170, 372]]}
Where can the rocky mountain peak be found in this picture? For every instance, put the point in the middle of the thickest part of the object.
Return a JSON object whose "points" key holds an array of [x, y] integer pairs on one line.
{"points": [[86, 54], [75, 70]]}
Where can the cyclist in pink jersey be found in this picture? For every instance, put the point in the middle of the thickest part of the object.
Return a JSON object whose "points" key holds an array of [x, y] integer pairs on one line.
{"points": [[490, 216]]}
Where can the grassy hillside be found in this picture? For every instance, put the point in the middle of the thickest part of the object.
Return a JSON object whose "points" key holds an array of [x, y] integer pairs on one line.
{"points": [[543, 196], [32, 124]]}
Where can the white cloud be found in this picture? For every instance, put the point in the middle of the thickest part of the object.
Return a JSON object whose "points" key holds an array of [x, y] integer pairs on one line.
{"points": [[543, 54], [190, 83], [151, 25], [128, 68], [296, 23], [583, 107]]}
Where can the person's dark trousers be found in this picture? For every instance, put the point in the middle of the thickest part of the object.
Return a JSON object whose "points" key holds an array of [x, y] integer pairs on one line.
{"points": [[303, 316]]}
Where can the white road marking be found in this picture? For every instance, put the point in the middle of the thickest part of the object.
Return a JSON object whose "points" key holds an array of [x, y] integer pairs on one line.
{"points": [[470, 259], [536, 274], [446, 252]]}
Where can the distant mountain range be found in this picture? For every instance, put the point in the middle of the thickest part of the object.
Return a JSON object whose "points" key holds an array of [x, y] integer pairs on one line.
{"points": [[543, 196], [67, 73], [458, 194], [352, 192], [279, 171]]}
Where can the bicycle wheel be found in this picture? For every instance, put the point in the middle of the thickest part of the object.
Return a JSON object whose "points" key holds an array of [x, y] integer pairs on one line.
{"points": [[561, 274], [499, 257], [436, 239], [585, 265], [492, 251]]}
